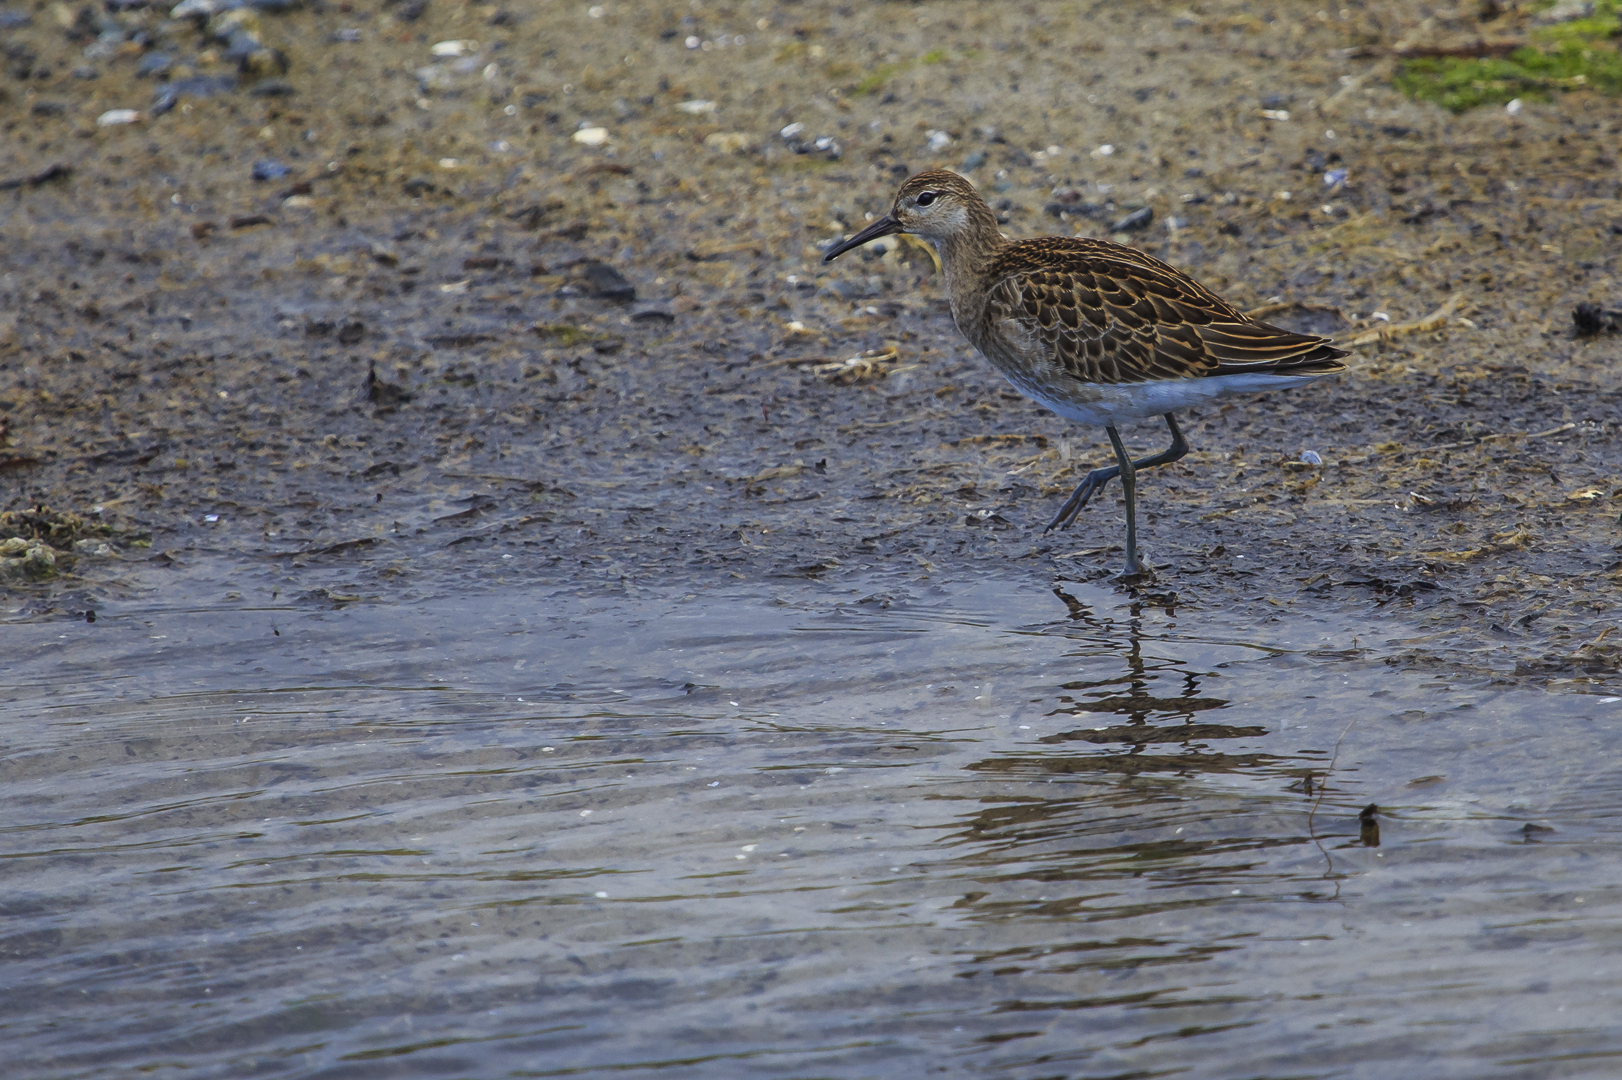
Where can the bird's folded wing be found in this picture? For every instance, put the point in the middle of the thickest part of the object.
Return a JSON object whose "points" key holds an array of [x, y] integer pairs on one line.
{"points": [[1110, 314]]}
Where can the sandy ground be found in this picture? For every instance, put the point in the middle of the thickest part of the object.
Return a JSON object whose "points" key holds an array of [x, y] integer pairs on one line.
{"points": [[185, 350]]}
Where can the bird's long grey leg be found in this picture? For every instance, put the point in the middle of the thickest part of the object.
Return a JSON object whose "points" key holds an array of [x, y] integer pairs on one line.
{"points": [[1094, 481], [1129, 483]]}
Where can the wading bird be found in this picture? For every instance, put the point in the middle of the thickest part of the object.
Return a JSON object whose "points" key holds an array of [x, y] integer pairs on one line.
{"points": [[1096, 331]]}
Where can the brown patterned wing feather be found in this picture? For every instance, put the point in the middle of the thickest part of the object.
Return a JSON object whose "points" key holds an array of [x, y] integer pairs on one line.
{"points": [[1111, 314]]}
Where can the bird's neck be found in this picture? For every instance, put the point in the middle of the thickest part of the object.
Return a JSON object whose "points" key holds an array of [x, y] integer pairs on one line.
{"points": [[965, 255]]}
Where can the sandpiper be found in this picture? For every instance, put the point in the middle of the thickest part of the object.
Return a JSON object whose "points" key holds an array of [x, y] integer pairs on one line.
{"points": [[1096, 331]]}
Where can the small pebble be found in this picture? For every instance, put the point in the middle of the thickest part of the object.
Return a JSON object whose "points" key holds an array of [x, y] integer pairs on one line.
{"points": [[272, 88], [1136, 220], [269, 169], [729, 142], [265, 62], [241, 45], [200, 9], [606, 282], [237, 20]]}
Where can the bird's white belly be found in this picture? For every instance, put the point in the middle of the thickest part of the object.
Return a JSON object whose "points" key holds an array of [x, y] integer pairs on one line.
{"points": [[1109, 404]]}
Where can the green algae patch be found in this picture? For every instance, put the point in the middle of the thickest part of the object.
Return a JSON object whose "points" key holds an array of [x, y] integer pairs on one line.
{"points": [[1575, 55], [563, 334], [880, 76]]}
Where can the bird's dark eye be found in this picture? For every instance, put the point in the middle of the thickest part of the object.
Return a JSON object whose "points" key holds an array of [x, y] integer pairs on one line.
{"points": [[925, 198]]}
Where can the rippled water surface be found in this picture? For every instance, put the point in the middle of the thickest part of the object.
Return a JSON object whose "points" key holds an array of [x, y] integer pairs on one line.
{"points": [[947, 830]]}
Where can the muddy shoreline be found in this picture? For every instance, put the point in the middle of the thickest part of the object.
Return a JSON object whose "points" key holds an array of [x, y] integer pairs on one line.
{"points": [[414, 375]]}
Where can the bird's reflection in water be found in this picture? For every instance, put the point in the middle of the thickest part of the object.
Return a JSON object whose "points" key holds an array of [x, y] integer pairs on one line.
{"points": [[1124, 834], [1157, 699]]}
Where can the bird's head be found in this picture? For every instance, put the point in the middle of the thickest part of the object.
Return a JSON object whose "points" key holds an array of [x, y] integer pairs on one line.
{"points": [[935, 205]]}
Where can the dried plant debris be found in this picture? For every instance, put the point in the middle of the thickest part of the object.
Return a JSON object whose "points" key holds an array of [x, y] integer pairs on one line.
{"points": [[36, 544], [1591, 319], [864, 367]]}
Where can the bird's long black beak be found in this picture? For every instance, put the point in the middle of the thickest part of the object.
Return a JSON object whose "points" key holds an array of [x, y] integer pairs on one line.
{"points": [[884, 226]]}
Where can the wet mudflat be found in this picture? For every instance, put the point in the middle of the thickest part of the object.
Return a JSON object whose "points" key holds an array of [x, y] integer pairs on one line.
{"points": [[524, 642], [548, 285], [950, 828]]}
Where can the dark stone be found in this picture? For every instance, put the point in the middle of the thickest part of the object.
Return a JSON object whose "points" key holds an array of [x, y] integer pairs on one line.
{"points": [[1136, 221], [272, 88], [605, 282], [269, 169], [241, 45], [200, 86], [55, 172], [1090, 210], [154, 64]]}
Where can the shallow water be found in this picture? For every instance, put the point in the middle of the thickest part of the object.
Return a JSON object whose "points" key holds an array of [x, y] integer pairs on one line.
{"points": [[951, 828]]}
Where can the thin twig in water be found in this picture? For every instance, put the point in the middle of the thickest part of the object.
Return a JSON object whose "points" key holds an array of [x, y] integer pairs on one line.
{"points": [[1313, 813]]}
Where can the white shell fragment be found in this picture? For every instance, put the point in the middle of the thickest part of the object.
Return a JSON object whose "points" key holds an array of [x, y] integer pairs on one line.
{"points": [[591, 136], [727, 142], [113, 117]]}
